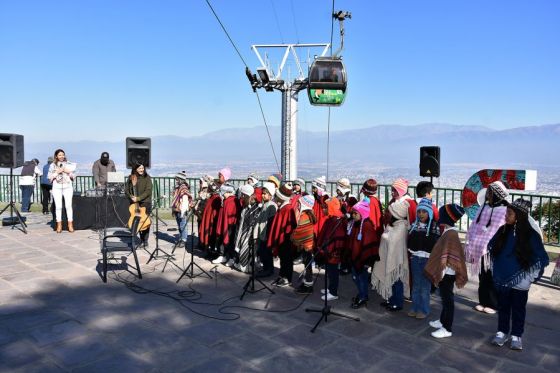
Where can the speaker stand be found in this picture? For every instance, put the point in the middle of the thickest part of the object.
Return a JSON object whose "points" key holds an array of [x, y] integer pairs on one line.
{"points": [[18, 219]]}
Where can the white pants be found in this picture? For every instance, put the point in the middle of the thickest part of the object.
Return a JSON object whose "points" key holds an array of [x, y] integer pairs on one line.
{"points": [[58, 192]]}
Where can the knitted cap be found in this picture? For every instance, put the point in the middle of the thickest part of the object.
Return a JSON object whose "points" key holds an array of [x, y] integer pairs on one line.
{"points": [[226, 173], [426, 205], [270, 187], [247, 189], [284, 193], [401, 186], [254, 178], [451, 213], [299, 182], [182, 175], [333, 207], [319, 182], [362, 208], [276, 179], [399, 209], [227, 188], [343, 185], [499, 190], [369, 187], [306, 202], [522, 205]]}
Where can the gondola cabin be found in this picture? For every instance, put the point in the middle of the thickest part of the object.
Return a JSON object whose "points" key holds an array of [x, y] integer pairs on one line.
{"points": [[327, 82]]}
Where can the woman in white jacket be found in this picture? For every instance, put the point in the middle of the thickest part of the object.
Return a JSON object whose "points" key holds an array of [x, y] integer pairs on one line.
{"points": [[61, 174]]}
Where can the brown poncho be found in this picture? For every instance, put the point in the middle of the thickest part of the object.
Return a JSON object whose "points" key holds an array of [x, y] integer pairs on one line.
{"points": [[447, 252]]}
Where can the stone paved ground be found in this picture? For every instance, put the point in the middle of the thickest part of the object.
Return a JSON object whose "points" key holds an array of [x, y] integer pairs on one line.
{"points": [[57, 315]]}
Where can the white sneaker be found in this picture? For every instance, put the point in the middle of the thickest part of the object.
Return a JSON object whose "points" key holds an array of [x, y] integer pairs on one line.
{"points": [[324, 291], [441, 333], [230, 263], [219, 260], [436, 324], [329, 297]]}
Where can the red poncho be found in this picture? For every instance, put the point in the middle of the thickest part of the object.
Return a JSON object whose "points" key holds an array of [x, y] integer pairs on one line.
{"points": [[227, 217], [282, 226], [319, 214], [210, 219], [366, 250], [375, 214], [333, 235]]}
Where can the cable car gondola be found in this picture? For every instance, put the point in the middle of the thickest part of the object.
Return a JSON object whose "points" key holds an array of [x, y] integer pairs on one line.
{"points": [[327, 82]]}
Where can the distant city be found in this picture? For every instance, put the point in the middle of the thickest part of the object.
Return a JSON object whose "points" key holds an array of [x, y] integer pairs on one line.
{"points": [[548, 178]]}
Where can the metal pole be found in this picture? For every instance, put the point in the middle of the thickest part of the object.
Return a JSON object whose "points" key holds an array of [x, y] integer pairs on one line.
{"points": [[289, 133]]}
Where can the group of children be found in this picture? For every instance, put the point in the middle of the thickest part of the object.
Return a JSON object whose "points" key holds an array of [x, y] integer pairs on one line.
{"points": [[403, 250]]}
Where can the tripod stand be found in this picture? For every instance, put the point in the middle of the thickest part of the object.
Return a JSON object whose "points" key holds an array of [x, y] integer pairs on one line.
{"points": [[326, 310], [192, 264], [155, 254], [18, 219]]}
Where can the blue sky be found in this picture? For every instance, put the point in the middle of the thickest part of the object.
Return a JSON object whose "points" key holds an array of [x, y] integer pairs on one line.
{"points": [[106, 69]]}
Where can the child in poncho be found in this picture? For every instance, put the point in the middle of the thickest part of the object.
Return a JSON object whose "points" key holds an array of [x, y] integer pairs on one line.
{"points": [[446, 267], [519, 259]]}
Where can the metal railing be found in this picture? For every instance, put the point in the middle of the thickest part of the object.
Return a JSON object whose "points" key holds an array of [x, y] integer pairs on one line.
{"points": [[546, 209]]}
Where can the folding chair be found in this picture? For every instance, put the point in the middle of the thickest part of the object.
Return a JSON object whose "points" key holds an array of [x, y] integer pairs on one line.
{"points": [[121, 240]]}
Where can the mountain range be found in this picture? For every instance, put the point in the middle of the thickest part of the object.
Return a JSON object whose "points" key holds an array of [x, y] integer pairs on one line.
{"points": [[379, 146]]}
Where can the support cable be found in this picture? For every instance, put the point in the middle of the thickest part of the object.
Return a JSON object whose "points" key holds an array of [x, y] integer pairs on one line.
{"points": [[245, 63]]}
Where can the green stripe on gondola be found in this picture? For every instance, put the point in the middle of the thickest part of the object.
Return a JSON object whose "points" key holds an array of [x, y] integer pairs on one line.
{"points": [[326, 96]]}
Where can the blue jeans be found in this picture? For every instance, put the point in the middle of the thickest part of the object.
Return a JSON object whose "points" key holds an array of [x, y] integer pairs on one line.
{"points": [[182, 224], [397, 299], [361, 280], [512, 305], [420, 286], [26, 194]]}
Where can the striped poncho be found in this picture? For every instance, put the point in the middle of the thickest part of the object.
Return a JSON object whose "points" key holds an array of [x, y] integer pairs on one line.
{"points": [[303, 237]]}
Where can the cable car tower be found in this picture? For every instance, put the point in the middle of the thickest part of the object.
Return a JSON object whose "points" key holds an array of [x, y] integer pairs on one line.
{"points": [[323, 89]]}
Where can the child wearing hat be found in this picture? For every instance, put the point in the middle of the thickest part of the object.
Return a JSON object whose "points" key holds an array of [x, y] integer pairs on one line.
{"points": [[228, 217], [262, 226], [180, 204], [281, 228], [303, 239], [518, 259], [363, 244], [249, 209], [489, 218], [446, 267], [331, 243], [318, 189], [422, 237]]}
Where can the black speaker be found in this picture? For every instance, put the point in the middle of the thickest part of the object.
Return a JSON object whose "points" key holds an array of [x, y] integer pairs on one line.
{"points": [[138, 151], [429, 161], [11, 150]]}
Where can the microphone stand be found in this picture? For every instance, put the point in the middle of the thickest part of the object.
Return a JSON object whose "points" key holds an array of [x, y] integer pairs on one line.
{"points": [[250, 285], [192, 264], [326, 310]]}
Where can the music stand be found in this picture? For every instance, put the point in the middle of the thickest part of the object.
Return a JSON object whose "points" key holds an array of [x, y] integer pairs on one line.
{"points": [[326, 310], [18, 219], [192, 264]]}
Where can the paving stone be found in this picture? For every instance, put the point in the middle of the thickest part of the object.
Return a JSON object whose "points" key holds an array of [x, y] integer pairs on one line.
{"points": [[80, 351], [460, 359], [290, 359], [357, 356], [219, 363], [300, 337], [400, 343], [213, 332], [248, 346], [16, 354], [520, 368], [27, 320], [6, 336], [120, 362], [57, 332]]}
